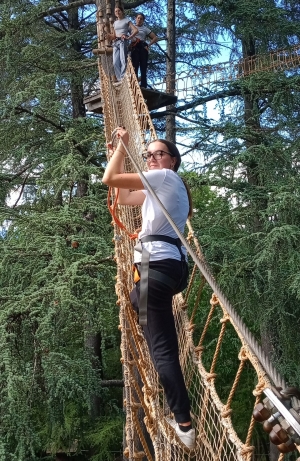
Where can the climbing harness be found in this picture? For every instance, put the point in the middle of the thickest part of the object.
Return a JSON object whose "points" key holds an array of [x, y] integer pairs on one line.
{"points": [[137, 43], [112, 206], [145, 272]]}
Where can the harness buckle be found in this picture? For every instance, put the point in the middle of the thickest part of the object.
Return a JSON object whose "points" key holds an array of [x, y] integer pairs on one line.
{"points": [[136, 275]]}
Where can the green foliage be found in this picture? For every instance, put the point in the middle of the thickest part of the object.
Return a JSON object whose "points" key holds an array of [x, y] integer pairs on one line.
{"points": [[58, 312], [58, 306], [105, 438], [251, 149], [53, 299]]}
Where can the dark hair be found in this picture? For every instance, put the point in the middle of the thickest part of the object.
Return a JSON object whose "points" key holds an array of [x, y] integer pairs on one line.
{"points": [[175, 153], [120, 8], [140, 14], [189, 197]]}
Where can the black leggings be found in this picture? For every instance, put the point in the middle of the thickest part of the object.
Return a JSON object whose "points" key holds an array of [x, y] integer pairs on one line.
{"points": [[139, 58], [161, 337]]}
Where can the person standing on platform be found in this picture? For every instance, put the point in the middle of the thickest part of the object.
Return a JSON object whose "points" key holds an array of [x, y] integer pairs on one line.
{"points": [[124, 31], [140, 48]]}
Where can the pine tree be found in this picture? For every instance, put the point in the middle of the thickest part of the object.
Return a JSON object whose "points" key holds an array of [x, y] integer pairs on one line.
{"points": [[57, 268], [252, 157]]}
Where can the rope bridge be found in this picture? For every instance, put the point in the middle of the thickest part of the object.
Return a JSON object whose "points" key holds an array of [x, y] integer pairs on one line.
{"points": [[192, 83], [148, 435]]}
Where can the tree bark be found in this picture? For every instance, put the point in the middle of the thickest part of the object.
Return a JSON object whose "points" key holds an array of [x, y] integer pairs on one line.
{"points": [[171, 67]]}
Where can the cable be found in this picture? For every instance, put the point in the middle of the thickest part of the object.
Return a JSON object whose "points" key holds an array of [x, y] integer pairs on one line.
{"points": [[253, 344]]}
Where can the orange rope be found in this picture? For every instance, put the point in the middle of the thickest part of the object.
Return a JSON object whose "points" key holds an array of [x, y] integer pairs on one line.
{"points": [[112, 207]]}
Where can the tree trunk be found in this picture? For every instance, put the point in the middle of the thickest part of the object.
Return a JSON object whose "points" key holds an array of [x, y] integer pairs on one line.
{"points": [[171, 66], [93, 341], [252, 122]]}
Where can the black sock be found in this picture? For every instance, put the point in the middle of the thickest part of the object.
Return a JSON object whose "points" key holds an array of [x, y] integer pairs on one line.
{"points": [[185, 428]]}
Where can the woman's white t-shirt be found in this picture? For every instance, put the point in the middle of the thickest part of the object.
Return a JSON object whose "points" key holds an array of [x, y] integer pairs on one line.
{"points": [[121, 26], [143, 32], [172, 193]]}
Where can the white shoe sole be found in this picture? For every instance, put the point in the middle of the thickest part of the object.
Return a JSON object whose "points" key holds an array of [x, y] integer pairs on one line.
{"points": [[188, 439]]}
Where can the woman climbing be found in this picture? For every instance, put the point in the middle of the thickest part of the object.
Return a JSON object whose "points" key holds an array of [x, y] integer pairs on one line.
{"points": [[120, 37], [140, 48], [167, 271]]}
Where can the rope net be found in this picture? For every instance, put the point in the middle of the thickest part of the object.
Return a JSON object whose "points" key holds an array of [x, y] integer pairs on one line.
{"points": [[148, 435], [191, 83], [203, 358]]}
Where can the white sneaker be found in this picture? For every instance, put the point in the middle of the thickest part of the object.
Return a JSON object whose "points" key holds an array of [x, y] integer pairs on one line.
{"points": [[187, 438], [171, 421]]}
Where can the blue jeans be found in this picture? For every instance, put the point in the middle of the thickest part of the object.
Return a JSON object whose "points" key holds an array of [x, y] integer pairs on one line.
{"points": [[160, 334], [120, 51]]}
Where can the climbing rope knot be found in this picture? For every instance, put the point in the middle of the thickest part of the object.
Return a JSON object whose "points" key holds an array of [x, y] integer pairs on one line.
{"points": [[199, 349], [246, 450], [140, 337], [148, 422], [224, 319], [243, 354], [151, 427], [226, 412], [214, 300], [190, 236], [261, 385], [149, 391], [136, 406], [211, 376]]}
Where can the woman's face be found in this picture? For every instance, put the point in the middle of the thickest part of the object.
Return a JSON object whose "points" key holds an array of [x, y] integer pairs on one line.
{"points": [[119, 13], [165, 162], [139, 20]]}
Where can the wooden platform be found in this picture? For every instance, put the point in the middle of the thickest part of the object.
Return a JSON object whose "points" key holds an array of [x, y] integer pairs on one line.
{"points": [[154, 100], [93, 103]]}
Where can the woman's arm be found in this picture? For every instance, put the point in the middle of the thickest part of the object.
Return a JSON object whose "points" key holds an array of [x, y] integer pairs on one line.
{"points": [[154, 38], [114, 175], [110, 36], [127, 197], [134, 30]]}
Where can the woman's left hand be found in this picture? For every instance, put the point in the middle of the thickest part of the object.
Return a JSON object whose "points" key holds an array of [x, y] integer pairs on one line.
{"points": [[122, 133], [110, 150]]}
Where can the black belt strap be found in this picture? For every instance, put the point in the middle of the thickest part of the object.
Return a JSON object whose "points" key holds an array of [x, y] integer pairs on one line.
{"points": [[145, 272], [163, 278]]}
